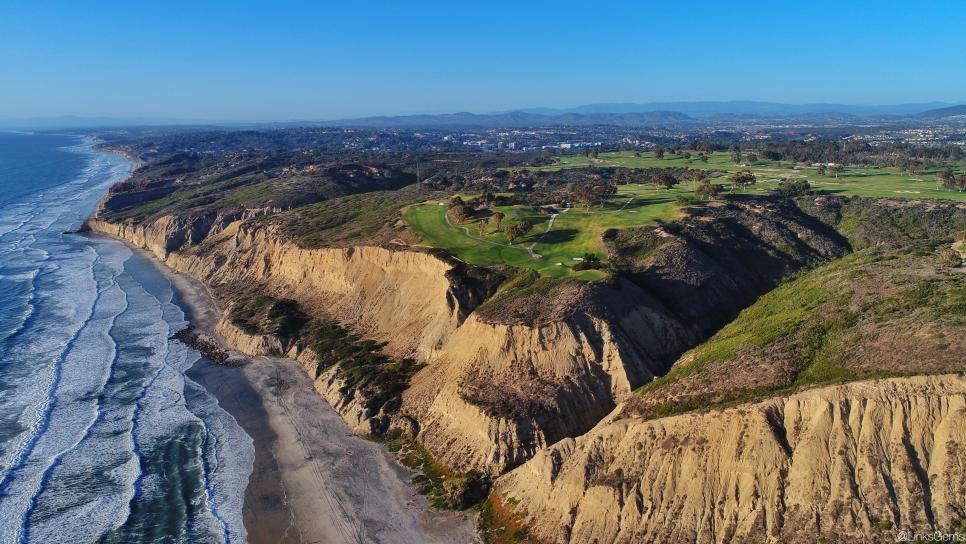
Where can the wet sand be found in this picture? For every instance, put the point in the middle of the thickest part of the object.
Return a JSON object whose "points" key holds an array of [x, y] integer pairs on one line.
{"points": [[313, 480]]}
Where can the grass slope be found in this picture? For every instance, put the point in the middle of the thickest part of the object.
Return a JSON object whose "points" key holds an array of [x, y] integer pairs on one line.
{"points": [[878, 312]]}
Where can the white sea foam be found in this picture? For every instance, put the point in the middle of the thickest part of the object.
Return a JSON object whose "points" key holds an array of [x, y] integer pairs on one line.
{"points": [[96, 386]]}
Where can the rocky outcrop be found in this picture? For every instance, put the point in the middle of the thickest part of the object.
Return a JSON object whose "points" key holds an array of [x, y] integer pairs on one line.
{"points": [[250, 344], [852, 462]]}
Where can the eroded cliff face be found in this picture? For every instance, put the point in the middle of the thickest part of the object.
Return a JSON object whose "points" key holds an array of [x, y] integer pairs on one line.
{"points": [[399, 297], [491, 394], [494, 392], [852, 462]]}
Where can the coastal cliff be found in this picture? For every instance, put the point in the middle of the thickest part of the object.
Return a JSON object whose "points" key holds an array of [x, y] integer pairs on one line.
{"points": [[567, 374], [533, 381], [399, 296], [509, 373], [849, 462]]}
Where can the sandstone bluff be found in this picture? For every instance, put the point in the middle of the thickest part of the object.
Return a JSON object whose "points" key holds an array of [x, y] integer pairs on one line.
{"points": [[835, 460]]}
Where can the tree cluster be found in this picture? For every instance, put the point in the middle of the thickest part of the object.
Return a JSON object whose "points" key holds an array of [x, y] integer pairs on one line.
{"points": [[664, 179], [708, 190], [517, 230], [951, 181], [743, 179], [589, 194], [589, 262], [794, 187], [460, 211]]}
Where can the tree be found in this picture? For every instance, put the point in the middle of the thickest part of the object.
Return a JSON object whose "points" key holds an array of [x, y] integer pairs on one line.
{"points": [[664, 179], [736, 153], [517, 230], [743, 179], [703, 158], [947, 178], [707, 190], [603, 191], [589, 193], [583, 193], [836, 169], [694, 174], [752, 157], [795, 187], [659, 153], [821, 170], [460, 213], [496, 220], [461, 492], [589, 262], [459, 210]]}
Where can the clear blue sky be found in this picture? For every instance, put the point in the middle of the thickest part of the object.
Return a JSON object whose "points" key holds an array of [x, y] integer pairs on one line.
{"points": [[316, 60]]}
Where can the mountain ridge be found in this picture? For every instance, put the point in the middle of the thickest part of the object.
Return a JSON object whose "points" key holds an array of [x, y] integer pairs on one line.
{"points": [[745, 107], [516, 119]]}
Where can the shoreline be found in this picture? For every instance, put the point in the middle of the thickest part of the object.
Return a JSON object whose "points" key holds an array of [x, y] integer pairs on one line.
{"points": [[313, 479]]}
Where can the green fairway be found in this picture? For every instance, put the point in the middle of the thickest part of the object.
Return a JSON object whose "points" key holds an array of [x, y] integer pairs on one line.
{"points": [[574, 232], [868, 181]]}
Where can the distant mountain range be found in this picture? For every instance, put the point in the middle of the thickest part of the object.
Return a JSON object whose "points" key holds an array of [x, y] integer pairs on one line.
{"points": [[952, 111], [519, 119], [745, 107], [661, 114]]}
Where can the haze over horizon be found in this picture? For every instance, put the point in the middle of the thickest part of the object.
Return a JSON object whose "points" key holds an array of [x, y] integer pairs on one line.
{"points": [[301, 61]]}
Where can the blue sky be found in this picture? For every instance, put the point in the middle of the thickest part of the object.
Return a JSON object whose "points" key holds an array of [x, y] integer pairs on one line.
{"points": [[315, 60]]}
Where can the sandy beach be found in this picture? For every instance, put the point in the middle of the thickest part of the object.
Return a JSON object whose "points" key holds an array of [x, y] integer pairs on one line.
{"points": [[313, 480]]}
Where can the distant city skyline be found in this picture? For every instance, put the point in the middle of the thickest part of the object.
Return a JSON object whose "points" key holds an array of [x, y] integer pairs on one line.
{"points": [[241, 61]]}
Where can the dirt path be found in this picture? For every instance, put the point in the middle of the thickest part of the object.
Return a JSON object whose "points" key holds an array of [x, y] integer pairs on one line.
{"points": [[553, 217], [466, 231], [528, 249]]}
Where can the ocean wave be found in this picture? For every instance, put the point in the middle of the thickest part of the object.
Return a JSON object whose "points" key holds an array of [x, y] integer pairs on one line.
{"points": [[98, 392], [108, 425], [44, 418]]}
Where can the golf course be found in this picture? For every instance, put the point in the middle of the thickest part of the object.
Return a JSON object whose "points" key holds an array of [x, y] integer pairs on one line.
{"points": [[560, 238]]}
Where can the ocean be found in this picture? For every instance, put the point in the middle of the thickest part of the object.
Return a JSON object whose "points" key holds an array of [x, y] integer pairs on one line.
{"points": [[102, 436]]}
